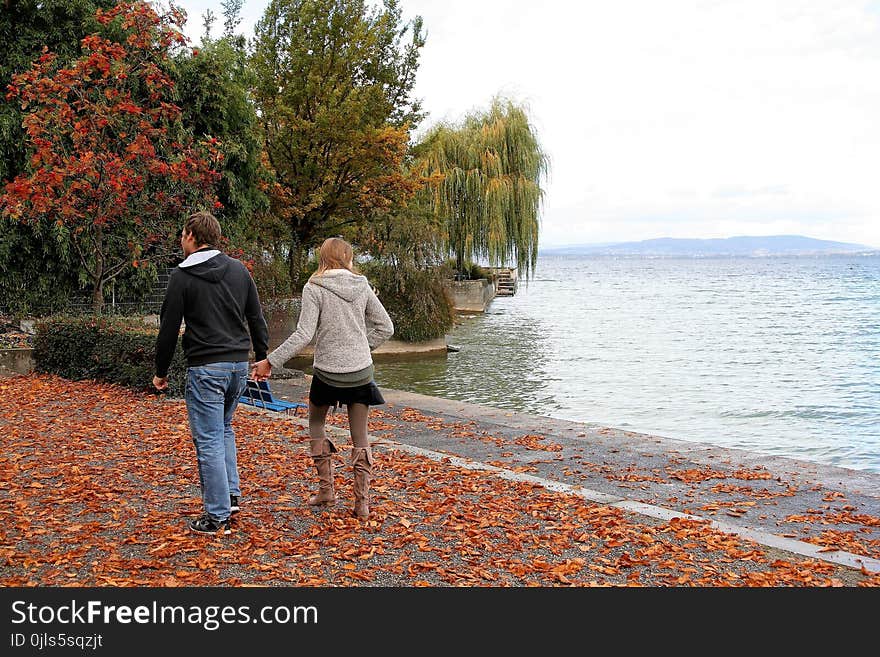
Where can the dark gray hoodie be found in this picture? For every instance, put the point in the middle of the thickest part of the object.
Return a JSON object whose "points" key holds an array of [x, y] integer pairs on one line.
{"points": [[217, 298], [347, 321]]}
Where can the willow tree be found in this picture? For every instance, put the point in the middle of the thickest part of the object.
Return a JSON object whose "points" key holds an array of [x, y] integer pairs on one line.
{"points": [[488, 195]]}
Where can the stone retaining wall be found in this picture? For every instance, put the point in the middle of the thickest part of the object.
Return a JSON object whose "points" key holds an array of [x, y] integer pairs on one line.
{"points": [[21, 361], [470, 296], [16, 361]]}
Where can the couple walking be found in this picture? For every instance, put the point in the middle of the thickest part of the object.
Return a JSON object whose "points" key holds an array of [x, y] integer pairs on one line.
{"points": [[215, 296]]}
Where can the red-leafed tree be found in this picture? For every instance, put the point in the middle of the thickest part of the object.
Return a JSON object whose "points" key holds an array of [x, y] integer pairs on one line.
{"points": [[112, 169]]}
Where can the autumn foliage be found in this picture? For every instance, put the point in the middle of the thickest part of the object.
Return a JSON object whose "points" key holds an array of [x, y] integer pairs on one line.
{"points": [[100, 482], [111, 168]]}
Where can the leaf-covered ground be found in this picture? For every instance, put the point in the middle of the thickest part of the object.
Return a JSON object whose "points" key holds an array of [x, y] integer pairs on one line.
{"points": [[781, 498], [98, 484]]}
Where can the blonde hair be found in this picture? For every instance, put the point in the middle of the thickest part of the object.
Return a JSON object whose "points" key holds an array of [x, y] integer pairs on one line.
{"points": [[335, 253]]}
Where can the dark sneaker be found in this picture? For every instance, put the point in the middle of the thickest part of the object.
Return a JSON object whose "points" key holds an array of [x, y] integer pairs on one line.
{"points": [[233, 504], [207, 525]]}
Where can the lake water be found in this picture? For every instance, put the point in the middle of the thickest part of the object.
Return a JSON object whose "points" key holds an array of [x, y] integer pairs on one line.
{"points": [[774, 355]]}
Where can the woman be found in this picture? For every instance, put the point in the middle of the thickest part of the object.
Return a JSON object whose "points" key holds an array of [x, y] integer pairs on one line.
{"points": [[346, 319]]}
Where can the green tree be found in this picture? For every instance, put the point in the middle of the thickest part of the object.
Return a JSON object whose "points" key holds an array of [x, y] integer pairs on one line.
{"points": [[213, 86], [406, 252], [36, 276], [487, 191], [208, 19], [407, 237], [232, 16], [333, 90]]}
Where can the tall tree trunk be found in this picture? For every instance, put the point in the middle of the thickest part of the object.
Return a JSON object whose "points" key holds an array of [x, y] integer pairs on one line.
{"points": [[98, 297], [296, 262], [98, 277]]}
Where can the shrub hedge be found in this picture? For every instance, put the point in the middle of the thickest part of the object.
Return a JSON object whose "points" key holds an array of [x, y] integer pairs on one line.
{"points": [[118, 350], [415, 299], [471, 271]]}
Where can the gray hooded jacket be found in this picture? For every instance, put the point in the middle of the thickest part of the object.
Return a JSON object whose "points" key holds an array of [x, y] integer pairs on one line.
{"points": [[345, 318]]}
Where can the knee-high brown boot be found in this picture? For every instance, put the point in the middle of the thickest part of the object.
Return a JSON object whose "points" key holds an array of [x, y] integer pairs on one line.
{"points": [[321, 455], [362, 463]]}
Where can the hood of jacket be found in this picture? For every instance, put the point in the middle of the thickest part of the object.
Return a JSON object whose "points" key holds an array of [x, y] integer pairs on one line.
{"points": [[209, 265], [343, 283]]}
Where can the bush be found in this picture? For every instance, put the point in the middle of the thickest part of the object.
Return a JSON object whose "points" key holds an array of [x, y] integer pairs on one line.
{"points": [[272, 278], [470, 272], [415, 299], [477, 272], [117, 350]]}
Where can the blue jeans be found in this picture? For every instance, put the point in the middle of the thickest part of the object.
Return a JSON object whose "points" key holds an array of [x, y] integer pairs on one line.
{"points": [[212, 393]]}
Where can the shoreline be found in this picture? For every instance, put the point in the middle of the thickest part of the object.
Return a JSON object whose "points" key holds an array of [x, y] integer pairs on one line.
{"points": [[19, 361], [852, 479], [654, 476]]}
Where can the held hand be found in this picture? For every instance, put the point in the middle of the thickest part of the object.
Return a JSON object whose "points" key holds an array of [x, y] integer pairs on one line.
{"points": [[160, 382], [262, 370]]}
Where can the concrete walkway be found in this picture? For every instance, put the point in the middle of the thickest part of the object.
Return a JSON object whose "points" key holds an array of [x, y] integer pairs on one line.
{"points": [[800, 507]]}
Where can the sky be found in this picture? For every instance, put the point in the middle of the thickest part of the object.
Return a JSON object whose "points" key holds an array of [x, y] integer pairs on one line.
{"points": [[688, 119]]}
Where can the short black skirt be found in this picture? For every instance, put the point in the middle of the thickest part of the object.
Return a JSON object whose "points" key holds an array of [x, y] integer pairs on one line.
{"points": [[323, 394]]}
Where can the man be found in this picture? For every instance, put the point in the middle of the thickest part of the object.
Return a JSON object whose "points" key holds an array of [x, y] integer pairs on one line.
{"points": [[217, 299]]}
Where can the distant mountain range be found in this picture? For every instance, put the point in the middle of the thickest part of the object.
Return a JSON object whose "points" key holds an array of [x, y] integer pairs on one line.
{"points": [[773, 245]]}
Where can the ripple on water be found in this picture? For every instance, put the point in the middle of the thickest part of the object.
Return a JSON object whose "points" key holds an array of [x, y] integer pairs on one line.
{"points": [[774, 355]]}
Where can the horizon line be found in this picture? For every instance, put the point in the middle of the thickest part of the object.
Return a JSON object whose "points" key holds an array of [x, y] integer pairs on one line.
{"points": [[700, 239]]}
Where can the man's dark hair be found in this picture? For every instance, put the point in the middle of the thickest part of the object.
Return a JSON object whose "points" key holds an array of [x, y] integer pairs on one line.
{"points": [[204, 228]]}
